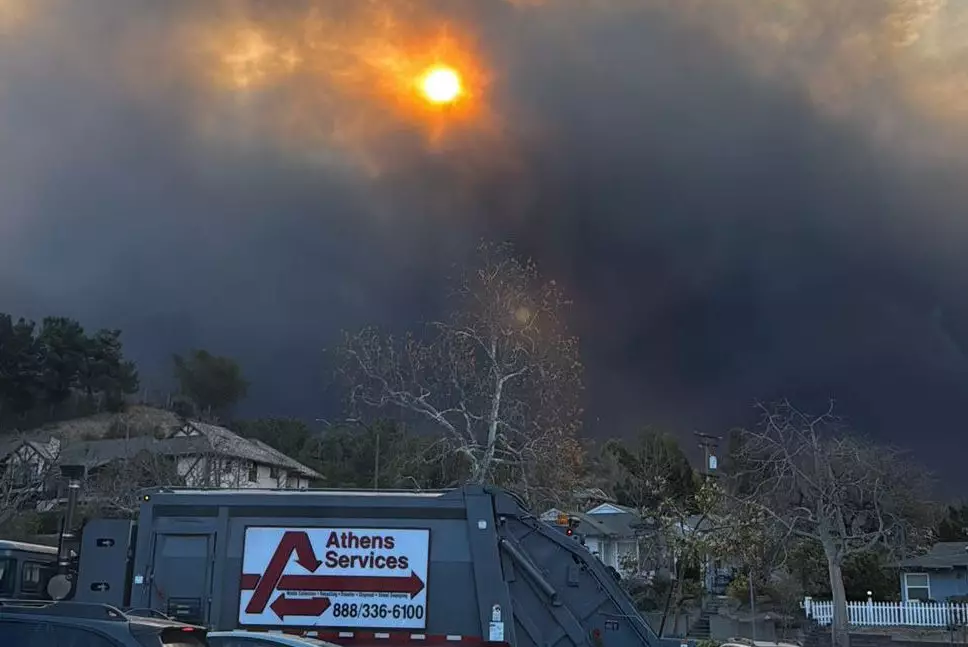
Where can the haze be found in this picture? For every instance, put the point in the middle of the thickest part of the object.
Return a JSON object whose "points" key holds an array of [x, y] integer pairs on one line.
{"points": [[747, 199]]}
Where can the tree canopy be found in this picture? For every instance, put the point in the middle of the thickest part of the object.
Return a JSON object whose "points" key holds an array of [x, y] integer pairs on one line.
{"points": [[43, 367], [212, 383], [653, 470]]}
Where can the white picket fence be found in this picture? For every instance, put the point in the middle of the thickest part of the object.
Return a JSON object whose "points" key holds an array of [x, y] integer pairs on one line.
{"points": [[891, 614]]}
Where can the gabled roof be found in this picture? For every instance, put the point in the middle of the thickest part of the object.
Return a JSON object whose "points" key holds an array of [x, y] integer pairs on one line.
{"points": [[944, 555], [610, 508], [36, 440], [206, 438], [622, 524], [154, 430]]}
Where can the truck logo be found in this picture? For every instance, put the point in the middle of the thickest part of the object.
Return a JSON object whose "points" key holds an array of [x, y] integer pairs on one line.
{"points": [[292, 542], [366, 577]]}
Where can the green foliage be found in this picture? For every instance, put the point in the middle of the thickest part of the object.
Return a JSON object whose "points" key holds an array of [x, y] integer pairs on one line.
{"points": [[653, 471], [42, 369], [954, 524], [103, 369], [649, 595], [214, 384], [20, 365], [738, 588], [383, 454], [64, 347], [863, 572]]}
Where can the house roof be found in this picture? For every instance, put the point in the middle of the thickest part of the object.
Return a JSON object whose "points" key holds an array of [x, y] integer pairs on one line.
{"points": [[942, 556], [620, 524], [83, 442], [225, 442], [36, 440], [610, 508], [96, 453]]}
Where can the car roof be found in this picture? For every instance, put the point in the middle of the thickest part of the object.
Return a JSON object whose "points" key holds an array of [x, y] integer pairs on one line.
{"points": [[85, 614], [280, 639]]}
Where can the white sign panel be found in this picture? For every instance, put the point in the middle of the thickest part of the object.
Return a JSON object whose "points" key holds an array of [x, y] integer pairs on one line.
{"points": [[335, 577]]}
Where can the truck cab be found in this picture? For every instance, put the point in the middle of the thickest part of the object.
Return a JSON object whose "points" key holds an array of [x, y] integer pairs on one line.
{"points": [[25, 570]]}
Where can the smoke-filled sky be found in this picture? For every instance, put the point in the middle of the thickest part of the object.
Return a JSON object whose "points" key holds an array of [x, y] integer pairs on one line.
{"points": [[746, 198]]}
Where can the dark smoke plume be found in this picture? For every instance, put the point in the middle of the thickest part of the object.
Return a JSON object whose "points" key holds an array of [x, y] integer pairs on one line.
{"points": [[747, 198]]}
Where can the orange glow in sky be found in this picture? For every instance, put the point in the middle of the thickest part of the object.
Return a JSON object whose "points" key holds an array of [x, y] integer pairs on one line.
{"points": [[441, 85], [360, 75]]}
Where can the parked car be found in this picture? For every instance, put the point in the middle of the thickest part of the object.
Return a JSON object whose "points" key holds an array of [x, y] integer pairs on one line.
{"points": [[26, 623], [243, 638]]}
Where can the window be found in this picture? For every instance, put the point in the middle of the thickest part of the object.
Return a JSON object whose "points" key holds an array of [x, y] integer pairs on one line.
{"points": [[253, 472], [917, 586], [64, 636], [273, 472], [184, 546], [23, 634], [180, 638], [43, 634], [8, 575], [34, 577]]}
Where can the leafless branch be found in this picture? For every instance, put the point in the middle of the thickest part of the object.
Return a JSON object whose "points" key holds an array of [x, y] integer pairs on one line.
{"points": [[499, 378], [815, 480]]}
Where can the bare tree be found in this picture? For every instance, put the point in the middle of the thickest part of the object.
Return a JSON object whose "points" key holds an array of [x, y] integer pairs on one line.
{"points": [[114, 487], [830, 487], [500, 377]]}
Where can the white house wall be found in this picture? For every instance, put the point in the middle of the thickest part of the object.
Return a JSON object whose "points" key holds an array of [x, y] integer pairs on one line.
{"points": [[234, 473]]}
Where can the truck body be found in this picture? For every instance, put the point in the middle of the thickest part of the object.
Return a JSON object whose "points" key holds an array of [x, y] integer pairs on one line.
{"points": [[468, 565]]}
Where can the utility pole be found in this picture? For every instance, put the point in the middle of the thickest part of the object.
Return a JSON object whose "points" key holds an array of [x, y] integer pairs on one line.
{"points": [[709, 444]]}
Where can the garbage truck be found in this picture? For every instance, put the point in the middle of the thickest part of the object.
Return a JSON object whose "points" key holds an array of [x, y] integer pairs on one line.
{"points": [[353, 567]]}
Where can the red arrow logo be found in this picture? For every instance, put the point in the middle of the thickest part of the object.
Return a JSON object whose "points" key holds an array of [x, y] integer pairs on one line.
{"points": [[283, 606], [292, 542], [411, 585]]}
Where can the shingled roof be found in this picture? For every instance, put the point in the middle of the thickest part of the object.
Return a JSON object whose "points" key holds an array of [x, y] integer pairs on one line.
{"points": [[82, 441], [95, 453], [944, 555]]}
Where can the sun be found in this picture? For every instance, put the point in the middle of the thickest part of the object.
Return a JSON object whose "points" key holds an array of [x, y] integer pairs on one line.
{"points": [[440, 85]]}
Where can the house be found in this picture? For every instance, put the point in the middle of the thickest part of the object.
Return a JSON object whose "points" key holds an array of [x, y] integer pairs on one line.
{"points": [[614, 534], [939, 575], [212, 456], [622, 539], [25, 467], [164, 447]]}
